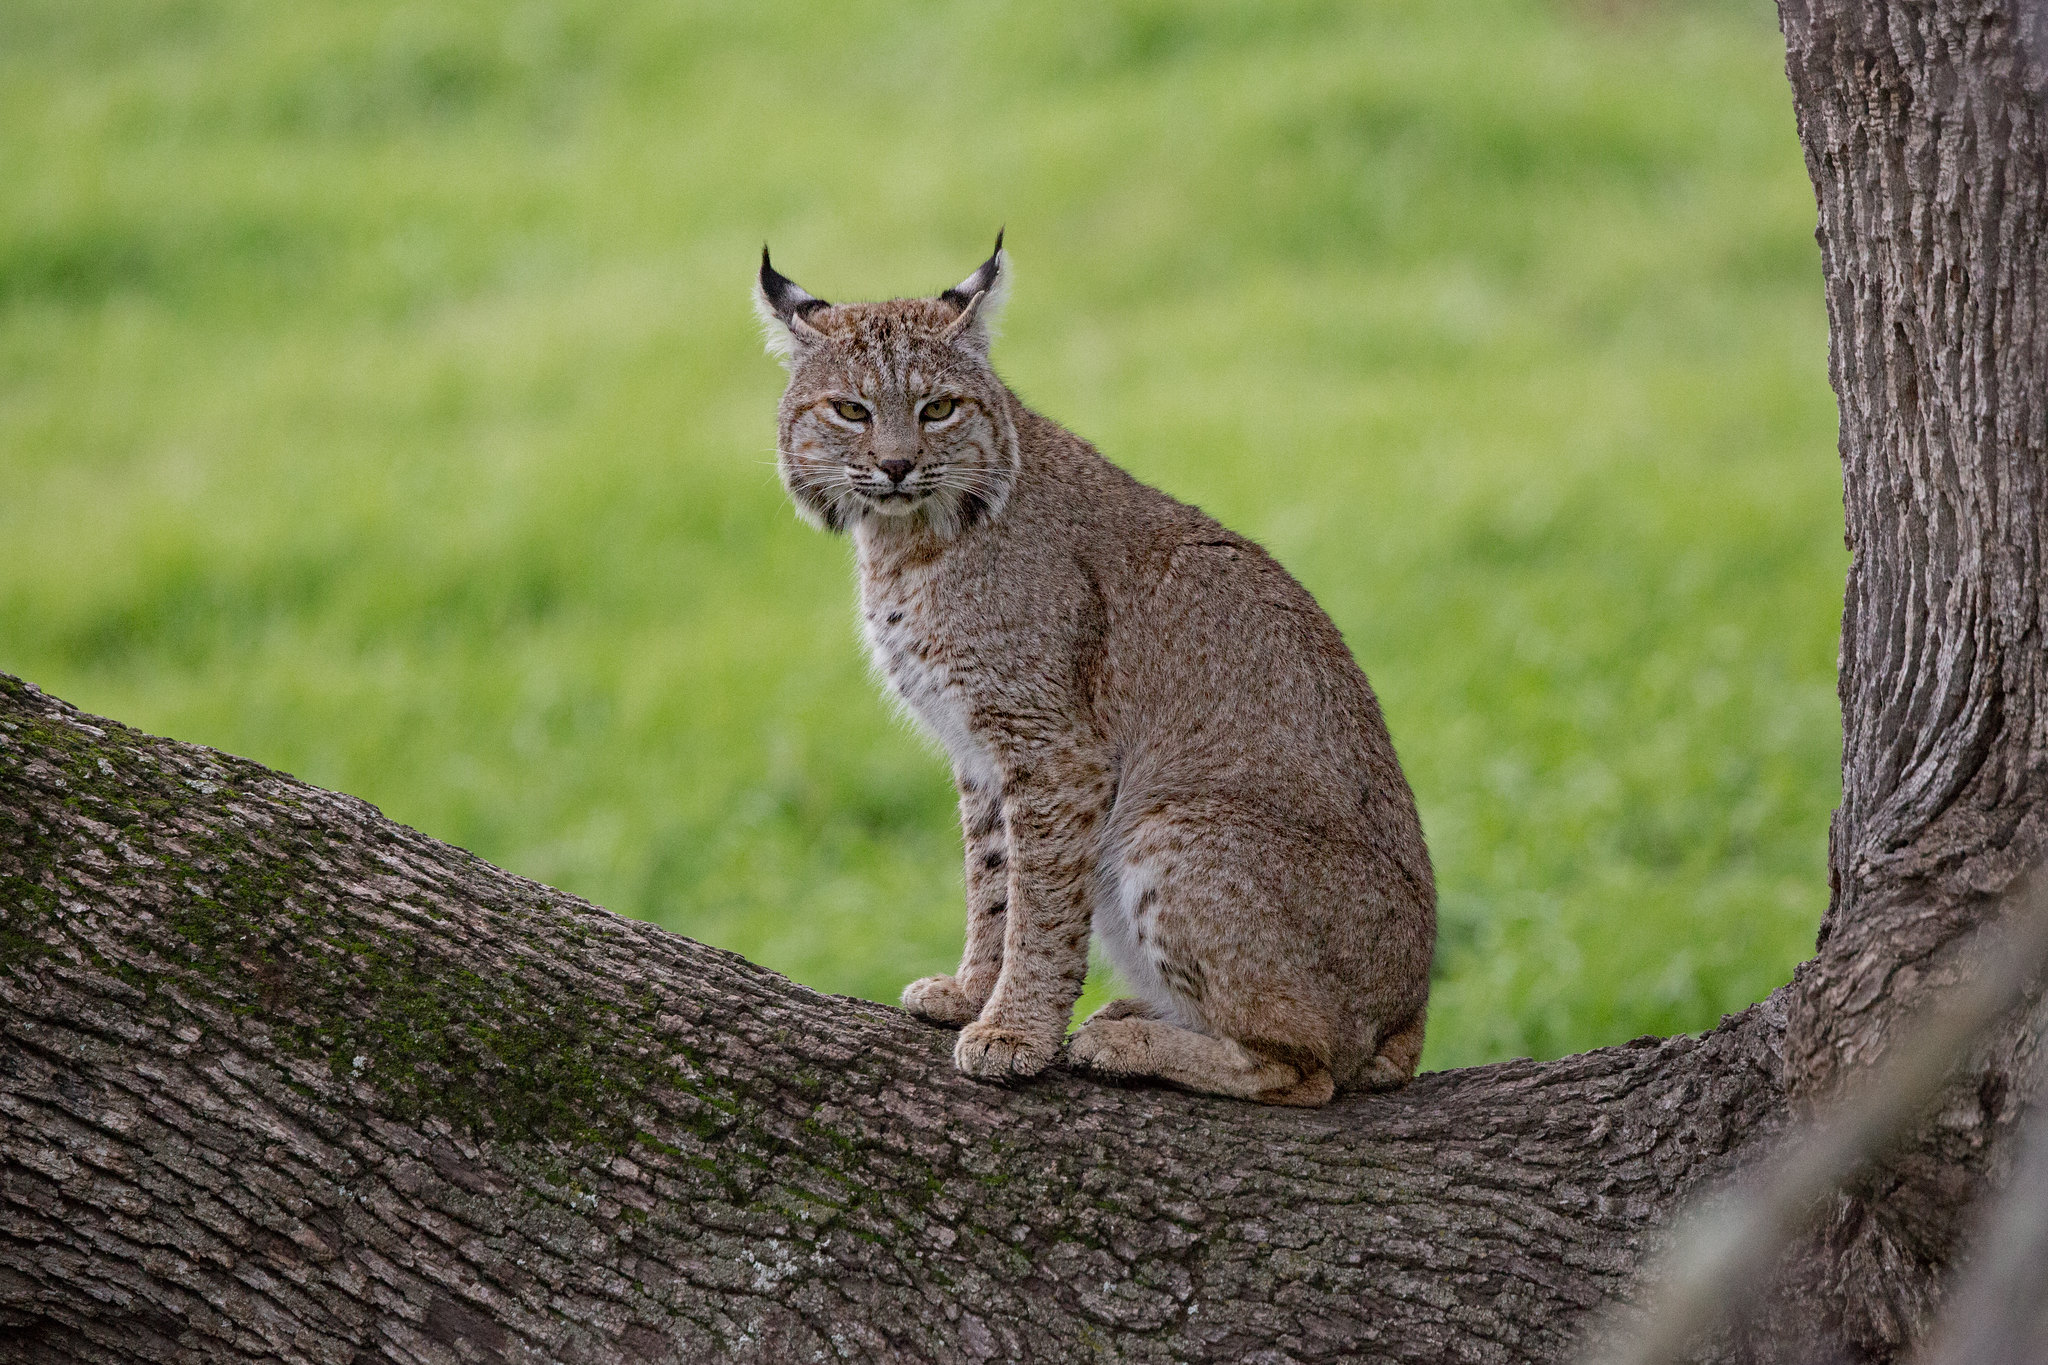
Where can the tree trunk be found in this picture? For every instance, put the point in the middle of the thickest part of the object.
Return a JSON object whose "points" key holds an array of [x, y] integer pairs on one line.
{"points": [[1923, 126], [280, 1079]]}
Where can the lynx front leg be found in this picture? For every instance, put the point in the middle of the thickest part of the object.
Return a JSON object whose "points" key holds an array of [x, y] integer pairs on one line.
{"points": [[1054, 809], [958, 998]]}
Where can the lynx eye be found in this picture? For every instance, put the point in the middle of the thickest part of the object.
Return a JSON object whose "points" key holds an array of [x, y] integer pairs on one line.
{"points": [[850, 410], [938, 410]]}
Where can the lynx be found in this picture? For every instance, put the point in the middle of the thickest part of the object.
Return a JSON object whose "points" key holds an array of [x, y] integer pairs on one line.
{"points": [[1154, 730]]}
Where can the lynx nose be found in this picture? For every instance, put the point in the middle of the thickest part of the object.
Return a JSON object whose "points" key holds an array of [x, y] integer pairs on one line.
{"points": [[895, 469]]}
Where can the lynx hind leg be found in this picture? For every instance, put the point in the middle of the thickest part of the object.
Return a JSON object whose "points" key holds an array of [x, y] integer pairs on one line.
{"points": [[1126, 1008], [1133, 1047], [1393, 1066]]}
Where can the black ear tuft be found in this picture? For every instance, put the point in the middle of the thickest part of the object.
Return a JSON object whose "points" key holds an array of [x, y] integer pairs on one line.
{"points": [[980, 298], [983, 280], [783, 307], [784, 296]]}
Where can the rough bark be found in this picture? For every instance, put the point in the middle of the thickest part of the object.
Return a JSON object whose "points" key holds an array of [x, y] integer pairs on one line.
{"points": [[1923, 128], [280, 1079]]}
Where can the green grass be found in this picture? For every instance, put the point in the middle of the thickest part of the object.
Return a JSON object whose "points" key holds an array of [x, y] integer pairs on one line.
{"points": [[379, 399]]}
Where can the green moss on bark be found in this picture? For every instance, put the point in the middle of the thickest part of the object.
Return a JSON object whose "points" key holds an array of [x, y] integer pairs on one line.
{"points": [[246, 920], [222, 893]]}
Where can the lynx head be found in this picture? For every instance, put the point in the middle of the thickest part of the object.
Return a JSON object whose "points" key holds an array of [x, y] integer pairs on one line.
{"points": [[892, 417]]}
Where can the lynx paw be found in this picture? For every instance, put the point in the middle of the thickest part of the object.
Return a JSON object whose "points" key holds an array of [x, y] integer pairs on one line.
{"points": [[1112, 1044], [1381, 1074], [939, 1000], [990, 1052]]}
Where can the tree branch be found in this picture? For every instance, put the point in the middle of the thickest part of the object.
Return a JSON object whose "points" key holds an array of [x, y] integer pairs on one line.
{"points": [[283, 1079]]}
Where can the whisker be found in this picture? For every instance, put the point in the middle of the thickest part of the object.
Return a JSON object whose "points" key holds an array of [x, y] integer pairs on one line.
{"points": [[956, 472], [960, 485], [816, 478]]}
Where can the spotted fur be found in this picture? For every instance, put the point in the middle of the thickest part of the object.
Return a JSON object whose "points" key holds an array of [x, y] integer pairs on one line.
{"points": [[1156, 734]]}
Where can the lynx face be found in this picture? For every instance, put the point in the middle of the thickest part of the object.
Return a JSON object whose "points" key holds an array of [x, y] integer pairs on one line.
{"points": [[892, 416]]}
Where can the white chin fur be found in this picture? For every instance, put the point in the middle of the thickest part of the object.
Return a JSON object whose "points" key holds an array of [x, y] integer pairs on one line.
{"points": [[935, 513]]}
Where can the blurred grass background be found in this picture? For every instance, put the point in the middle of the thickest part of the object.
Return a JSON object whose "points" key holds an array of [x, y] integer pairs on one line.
{"points": [[379, 399]]}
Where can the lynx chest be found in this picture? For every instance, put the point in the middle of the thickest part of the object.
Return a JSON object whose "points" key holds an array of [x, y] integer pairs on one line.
{"points": [[922, 668]]}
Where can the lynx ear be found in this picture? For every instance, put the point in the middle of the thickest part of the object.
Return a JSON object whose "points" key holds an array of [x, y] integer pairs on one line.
{"points": [[980, 298], [783, 307]]}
